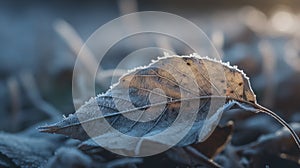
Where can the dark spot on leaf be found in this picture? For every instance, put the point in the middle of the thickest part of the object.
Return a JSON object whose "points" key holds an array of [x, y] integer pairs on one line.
{"points": [[231, 91], [189, 64], [144, 109], [241, 83]]}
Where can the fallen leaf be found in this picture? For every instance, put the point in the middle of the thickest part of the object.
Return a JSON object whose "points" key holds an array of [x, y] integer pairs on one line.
{"points": [[67, 157], [175, 101], [24, 152], [216, 142], [270, 148], [207, 149]]}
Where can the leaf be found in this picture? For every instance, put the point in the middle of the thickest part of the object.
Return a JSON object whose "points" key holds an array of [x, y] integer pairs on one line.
{"points": [[211, 147], [216, 142], [21, 151], [67, 157], [275, 146], [173, 101]]}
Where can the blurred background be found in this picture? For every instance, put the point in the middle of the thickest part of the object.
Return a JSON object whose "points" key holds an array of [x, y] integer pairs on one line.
{"points": [[39, 42]]}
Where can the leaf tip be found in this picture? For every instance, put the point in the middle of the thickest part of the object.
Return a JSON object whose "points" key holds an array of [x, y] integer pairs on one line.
{"points": [[48, 128]]}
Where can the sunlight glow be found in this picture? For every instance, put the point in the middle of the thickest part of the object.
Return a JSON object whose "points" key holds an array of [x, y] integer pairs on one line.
{"points": [[283, 21]]}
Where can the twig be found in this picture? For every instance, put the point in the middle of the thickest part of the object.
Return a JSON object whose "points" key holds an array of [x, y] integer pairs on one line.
{"points": [[84, 54], [269, 62], [15, 99], [73, 40], [127, 6], [34, 96], [217, 39], [109, 73], [164, 43], [291, 56], [202, 158]]}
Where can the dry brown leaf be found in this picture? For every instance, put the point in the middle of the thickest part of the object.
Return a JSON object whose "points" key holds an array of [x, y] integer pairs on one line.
{"points": [[149, 100], [216, 142], [207, 149]]}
